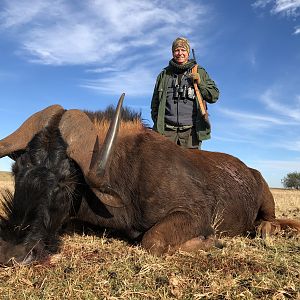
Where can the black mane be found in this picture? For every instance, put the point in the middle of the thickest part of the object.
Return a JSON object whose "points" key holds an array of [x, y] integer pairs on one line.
{"points": [[127, 114]]}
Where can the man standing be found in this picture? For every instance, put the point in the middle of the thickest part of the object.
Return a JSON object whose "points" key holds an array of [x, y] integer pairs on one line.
{"points": [[178, 106]]}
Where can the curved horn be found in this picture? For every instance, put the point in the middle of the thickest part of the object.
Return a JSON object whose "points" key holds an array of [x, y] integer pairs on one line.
{"points": [[19, 139], [100, 159], [109, 142]]}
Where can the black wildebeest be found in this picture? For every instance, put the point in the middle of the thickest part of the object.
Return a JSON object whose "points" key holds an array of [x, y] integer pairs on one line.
{"points": [[127, 177]]}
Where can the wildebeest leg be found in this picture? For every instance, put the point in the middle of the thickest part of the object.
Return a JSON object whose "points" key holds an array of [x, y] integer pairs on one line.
{"points": [[267, 228], [266, 222], [199, 243], [266, 216], [177, 231]]}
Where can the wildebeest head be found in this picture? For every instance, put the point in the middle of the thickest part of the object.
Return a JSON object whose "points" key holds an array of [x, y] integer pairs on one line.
{"points": [[55, 153], [45, 188]]}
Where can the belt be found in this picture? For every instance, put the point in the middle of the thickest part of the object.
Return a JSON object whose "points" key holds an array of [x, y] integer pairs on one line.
{"points": [[182, 127]]}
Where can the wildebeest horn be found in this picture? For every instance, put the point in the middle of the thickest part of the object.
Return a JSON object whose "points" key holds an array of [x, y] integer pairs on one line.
{"points": [[109, 142], [19, 139], [100, 163]]}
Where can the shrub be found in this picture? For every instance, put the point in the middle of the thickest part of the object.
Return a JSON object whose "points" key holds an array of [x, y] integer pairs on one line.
{"points": [[292, 180]]}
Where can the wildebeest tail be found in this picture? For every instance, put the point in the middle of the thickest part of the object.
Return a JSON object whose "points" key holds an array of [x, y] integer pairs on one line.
{"points": [[289, 223]]}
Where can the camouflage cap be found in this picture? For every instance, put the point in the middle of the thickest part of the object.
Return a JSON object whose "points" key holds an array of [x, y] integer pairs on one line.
{"points": [[181, 42]]}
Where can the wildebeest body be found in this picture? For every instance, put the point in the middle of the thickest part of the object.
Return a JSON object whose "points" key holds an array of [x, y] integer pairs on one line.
{"points": [[172, 198], [212, 188]]}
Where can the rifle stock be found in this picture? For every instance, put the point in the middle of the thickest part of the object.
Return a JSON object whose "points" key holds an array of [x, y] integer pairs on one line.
{"points": [[202, 104]]}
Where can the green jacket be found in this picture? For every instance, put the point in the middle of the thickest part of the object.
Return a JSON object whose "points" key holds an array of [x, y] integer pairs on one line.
{"points": [[207, 88]]}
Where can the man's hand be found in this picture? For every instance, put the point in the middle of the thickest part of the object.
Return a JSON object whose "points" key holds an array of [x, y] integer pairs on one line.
{"points": [[195, 77]]}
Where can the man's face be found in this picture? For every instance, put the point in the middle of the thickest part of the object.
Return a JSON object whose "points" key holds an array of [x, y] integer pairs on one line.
{"points": [[180, 55]]}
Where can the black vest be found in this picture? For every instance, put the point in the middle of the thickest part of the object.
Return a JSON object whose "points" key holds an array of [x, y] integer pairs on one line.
{"points": [[181, 107]]}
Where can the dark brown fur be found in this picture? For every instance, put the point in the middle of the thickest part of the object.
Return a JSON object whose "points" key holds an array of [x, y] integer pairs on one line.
{"points": [[173, 198], [174, 195]]}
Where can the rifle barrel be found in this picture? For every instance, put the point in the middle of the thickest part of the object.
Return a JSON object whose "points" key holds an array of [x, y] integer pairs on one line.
{"points": [[193, 52]]}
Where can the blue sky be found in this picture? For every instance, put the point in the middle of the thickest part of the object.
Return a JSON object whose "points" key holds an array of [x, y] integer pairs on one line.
{"points": [[84, 54]]}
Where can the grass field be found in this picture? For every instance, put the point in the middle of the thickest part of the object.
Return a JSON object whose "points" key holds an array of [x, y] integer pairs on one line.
{"points": [[92, 265]]}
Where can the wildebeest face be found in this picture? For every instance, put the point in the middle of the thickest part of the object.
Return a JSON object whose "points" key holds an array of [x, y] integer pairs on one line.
{"points": [[45, 185]]}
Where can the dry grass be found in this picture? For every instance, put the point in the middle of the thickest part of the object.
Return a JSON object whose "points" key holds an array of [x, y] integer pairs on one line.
{"points": [[95, 266], [287, 203], [6, 180]]}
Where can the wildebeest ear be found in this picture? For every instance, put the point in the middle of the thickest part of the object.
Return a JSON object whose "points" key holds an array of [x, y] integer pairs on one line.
{"points": [[19, 139], [80, 134]]}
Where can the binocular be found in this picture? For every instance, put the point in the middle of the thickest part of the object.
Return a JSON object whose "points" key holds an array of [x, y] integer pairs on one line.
{"points": [[183, 92]]}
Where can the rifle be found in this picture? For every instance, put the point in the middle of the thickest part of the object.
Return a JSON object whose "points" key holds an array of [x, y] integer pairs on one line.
{"points": [[194, 57], [202, 103]]}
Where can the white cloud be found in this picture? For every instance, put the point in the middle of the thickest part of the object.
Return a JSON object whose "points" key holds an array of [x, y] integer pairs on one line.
{"points": [[282, 122], [19, 13], [110, 38], [120, 81], [274, 142], [261, 3], [270, 98], [64, 32], [102, 70], [280, 164], [287, 7], [66, 44], [291, 145], [252, 120], [297, 30]]}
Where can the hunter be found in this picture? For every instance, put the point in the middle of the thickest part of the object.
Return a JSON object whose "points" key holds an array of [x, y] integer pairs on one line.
{"points": [[181, 92]]}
